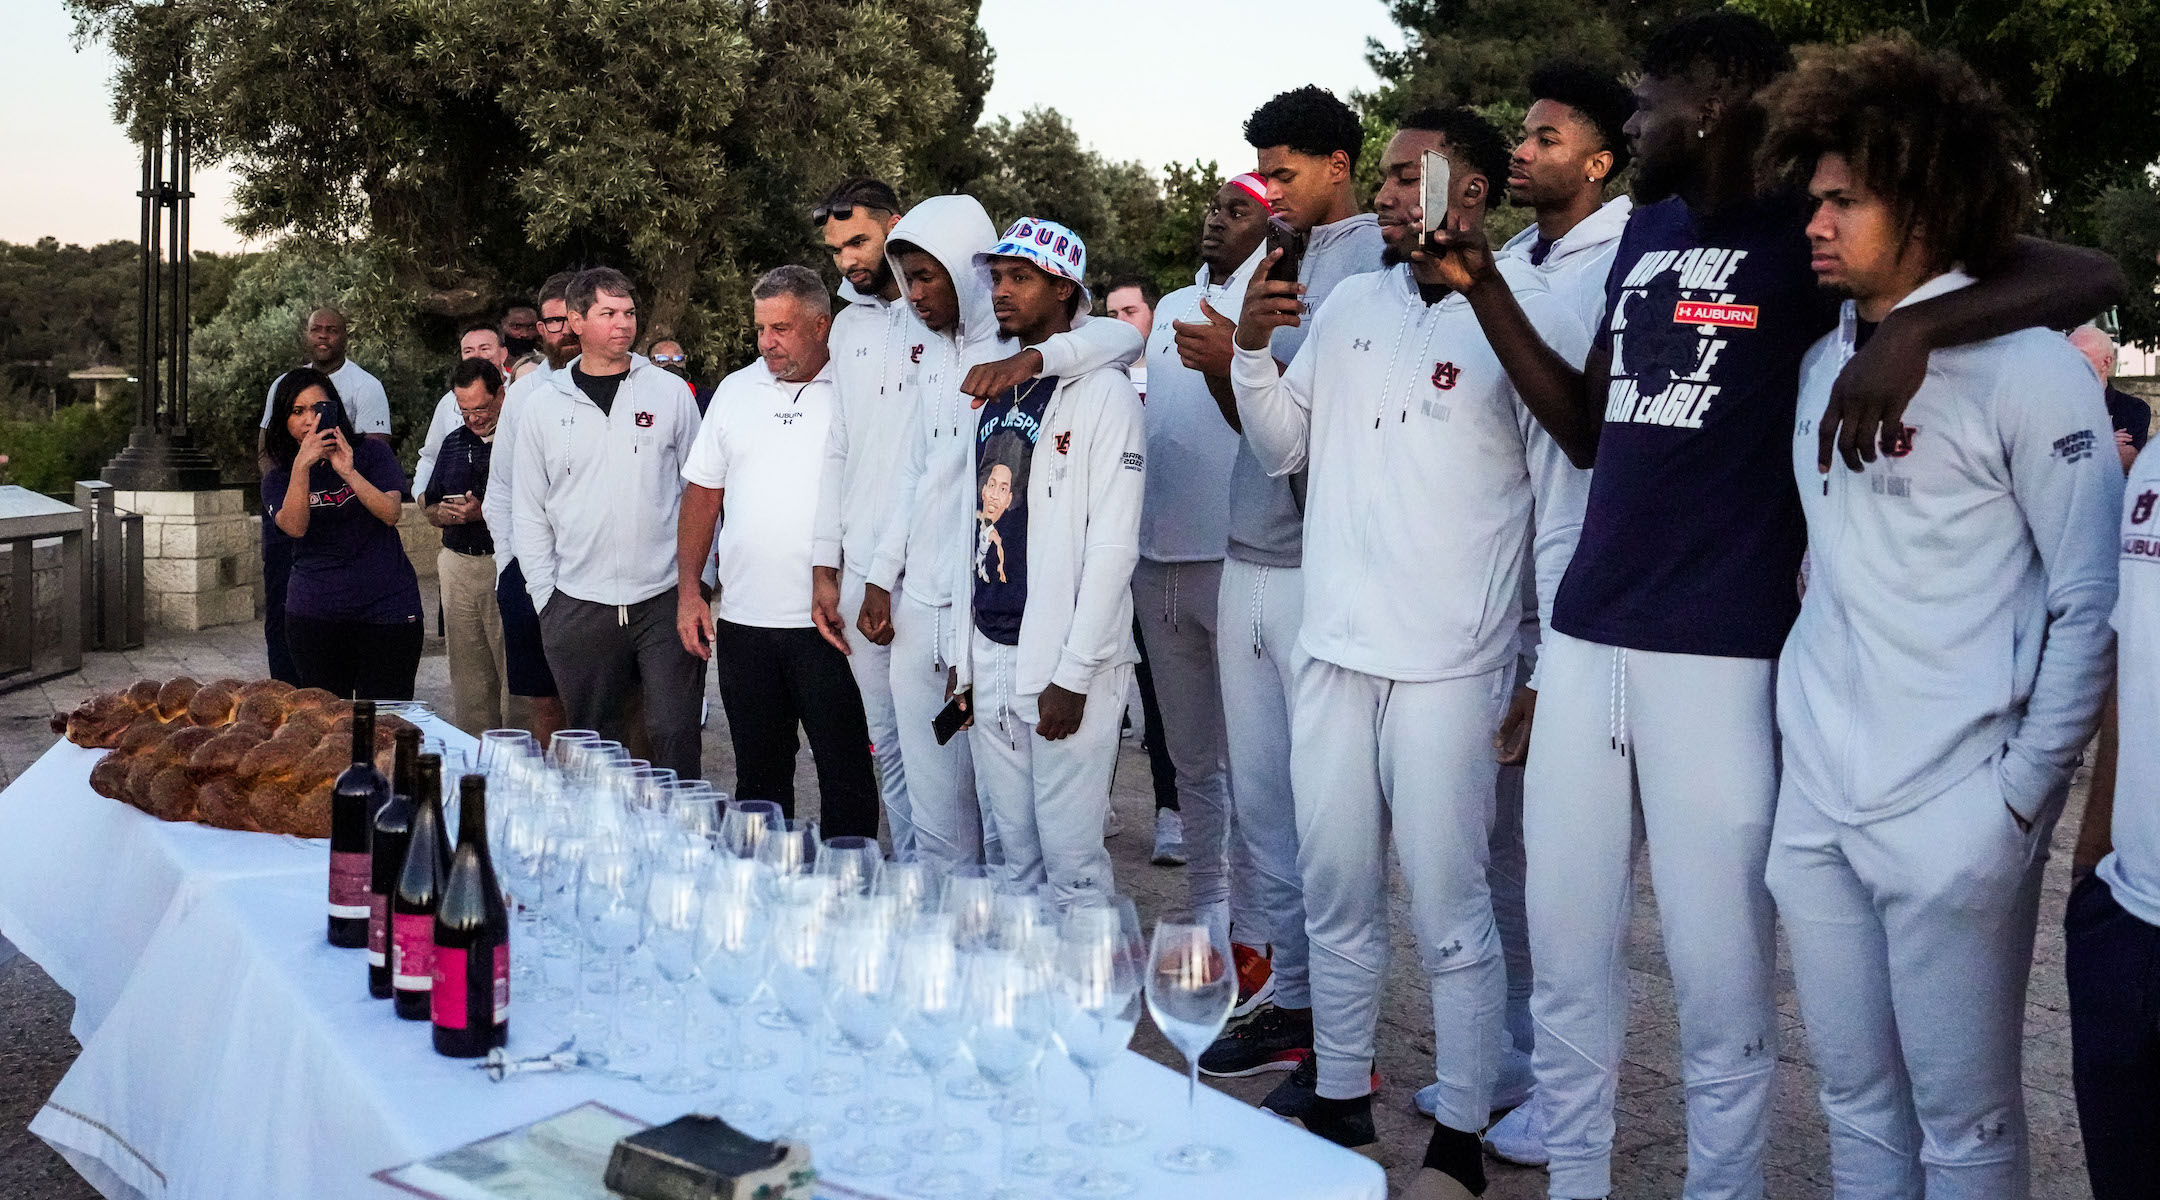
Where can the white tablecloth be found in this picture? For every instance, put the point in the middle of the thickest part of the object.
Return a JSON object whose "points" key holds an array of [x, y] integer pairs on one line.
{"points": [[237, 1054]]}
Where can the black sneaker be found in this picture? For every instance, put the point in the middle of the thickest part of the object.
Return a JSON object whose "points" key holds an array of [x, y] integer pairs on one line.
{"points": [[1293, 1098], [1274, 1040], [1346, 1123]]}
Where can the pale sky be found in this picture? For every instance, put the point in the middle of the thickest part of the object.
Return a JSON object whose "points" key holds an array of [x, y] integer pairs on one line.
{"points": [[1156, 80]]}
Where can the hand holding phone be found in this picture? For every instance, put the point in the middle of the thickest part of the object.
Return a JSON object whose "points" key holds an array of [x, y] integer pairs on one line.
{"points": [[954, 717], [1281, 235], [1434, 176]]}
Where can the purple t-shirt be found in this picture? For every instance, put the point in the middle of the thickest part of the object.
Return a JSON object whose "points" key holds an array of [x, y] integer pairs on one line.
{"points": [[349, 566], [1692, 540]]}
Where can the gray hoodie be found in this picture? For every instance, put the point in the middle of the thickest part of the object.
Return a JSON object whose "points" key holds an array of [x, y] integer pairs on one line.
{"points": [[1959, 589]]}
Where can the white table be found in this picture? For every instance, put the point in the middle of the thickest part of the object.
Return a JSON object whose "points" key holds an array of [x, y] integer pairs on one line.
{"points": [[239, 1055]]}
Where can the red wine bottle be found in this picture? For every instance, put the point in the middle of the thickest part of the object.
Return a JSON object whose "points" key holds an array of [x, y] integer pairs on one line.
{"points": [[386, 851], [359, 791], [471, 1000], [419, 890]]}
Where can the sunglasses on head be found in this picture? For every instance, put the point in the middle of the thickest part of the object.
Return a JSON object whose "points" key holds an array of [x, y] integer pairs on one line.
{"points": [[843, 211]]}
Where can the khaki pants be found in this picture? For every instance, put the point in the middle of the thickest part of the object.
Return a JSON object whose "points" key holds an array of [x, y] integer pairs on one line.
{"points": [[473, 640]]}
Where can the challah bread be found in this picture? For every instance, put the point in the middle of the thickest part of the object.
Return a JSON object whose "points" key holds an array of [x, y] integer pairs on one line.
{"points": [[214, 705], [172, 699]]}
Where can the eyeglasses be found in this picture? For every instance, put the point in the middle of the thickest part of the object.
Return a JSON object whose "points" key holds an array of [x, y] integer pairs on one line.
{"points": [[667, 358], [553, 322]]}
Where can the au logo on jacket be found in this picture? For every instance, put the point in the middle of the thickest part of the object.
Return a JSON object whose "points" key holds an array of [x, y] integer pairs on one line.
{"points": [[1445, 375]]}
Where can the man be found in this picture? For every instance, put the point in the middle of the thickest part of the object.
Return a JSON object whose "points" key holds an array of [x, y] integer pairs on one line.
{"points": [[954, 352], [1402, 411], [1131, 299], [872, 412], [1184, 524], [530, 683], [465, 567], [521, 330], [760, 452], [1307, 143], [1572, 144], [1658, 668], [322, 337], [1958, 599], [477, 341], [2112, 925], [2130, 416], [1043, 650], [599, 455]]}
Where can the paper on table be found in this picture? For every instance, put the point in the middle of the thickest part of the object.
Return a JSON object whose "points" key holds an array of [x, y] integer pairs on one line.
{"points": [[562, 1157]]}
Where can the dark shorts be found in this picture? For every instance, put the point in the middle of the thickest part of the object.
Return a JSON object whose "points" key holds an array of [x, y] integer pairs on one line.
{"points": [[523, 659]]}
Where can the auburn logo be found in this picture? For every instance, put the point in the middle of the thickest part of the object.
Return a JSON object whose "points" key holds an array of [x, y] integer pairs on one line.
{"points": [[915, 353], [2142, 511], [1445, 375], [1064, 442], [1900, 443], [644, 420]]}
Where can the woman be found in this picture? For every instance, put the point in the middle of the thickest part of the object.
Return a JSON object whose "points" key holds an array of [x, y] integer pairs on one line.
{"points": [[352, 610]]}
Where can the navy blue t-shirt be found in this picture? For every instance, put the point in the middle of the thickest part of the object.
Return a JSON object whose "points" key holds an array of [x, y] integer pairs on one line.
{"points": [[1004, 451], [348, 566], [1693, 537]]}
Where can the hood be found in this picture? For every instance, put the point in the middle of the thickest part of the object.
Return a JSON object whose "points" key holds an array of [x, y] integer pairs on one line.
{"points": [[1517, 272], [562, 380], [953, 229], [849, 294], [1598, 229], [1323, 236]]}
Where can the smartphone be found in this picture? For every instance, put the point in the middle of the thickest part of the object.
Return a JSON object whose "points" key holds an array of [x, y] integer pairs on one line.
{"points": [[1433, 175], [1281, 236], [953, 716]]}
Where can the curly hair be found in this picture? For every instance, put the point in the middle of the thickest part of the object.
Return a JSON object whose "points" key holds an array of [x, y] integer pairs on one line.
{"points": [[1595, 94], [1469, 135], [1922, 131], [1309, 120]]}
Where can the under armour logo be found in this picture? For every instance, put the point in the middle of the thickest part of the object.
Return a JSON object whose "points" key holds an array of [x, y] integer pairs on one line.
{"points": [[1450, 950], [1752, 1048], [1361, 343], [1988, 1133], [862, 351]]}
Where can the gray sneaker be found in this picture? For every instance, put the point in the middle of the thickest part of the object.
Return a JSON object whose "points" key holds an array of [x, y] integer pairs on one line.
{"points": [[1169, 839]]}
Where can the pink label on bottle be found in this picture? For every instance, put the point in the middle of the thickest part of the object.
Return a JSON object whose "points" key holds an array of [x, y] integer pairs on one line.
{"points": [[447, 1005], [378, 930], [412, 952], [351, 871], [502, 982]]}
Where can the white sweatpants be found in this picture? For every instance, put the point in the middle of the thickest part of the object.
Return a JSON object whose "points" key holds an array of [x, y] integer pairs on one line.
{"points": [[1369, 756], [1258, 611], [943, 812], [1692, 739], [1176, 605], [871, 664], [1911, 938], [1049, 799]]}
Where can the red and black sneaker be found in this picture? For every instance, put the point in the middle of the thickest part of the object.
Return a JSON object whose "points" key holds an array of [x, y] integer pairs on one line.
{"points": [[1255, 978], [1276, 1039]]}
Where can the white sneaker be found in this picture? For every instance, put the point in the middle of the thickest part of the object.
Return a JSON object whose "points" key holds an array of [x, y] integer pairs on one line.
{"points": [[1519, 1137], [1112, 824], [1169, 839]]}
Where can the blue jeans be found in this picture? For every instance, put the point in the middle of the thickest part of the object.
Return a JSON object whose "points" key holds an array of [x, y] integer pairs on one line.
{"points": [[2113, 964]]}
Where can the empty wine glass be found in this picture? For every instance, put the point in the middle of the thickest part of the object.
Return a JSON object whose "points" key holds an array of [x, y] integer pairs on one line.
{"points": [[522, 866], [610, 906], [932, 1014], [745, 823], [1008, 1029], [852, 862], [970, 899], [860, 996], [801, 952], [1101, 958], [789, 848], [1190, 990], [672, 914], [565, 746], [734, 933], [695, 809], [912, 882]]}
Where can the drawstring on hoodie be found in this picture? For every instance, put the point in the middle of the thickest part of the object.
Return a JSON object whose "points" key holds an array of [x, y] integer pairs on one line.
{"points": [[1616, 705], [1169, 608], [622, 615], [1259, 602], [1387, 387]]}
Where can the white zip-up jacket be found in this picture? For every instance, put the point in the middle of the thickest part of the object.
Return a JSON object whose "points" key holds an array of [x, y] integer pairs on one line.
{"points": [[1085, 485], [873, 413], [598, 493], [1958, 590], [495, 507], [934, 492], [1191, 448], [1426, 475], [1578, 262]]}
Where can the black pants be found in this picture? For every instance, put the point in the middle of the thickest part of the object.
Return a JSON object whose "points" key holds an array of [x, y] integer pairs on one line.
{"points": [[2113, 964], [277, 572], [772, 680], [603, 653], [355, 659], [1151, 732]]}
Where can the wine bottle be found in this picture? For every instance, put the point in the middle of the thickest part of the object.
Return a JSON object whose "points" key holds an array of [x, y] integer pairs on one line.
{"points": [[386, 852], [419, 890], [359, 791], [471, 1000]]}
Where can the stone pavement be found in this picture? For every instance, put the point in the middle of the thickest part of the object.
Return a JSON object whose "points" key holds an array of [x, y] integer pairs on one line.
{"points": [[35, 1048]]}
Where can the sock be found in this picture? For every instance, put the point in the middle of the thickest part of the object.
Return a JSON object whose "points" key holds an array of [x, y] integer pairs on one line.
{"points": [[1456, 1155]]}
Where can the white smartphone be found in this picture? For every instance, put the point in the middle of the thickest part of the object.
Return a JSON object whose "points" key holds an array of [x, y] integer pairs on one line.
{"points": [[1433, 174]]}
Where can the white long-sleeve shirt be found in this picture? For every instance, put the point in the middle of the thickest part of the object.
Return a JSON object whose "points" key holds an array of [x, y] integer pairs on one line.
{"points": [[1959, 588], [1426, 475], [495, 506], [872, 413], [2132, 868]]}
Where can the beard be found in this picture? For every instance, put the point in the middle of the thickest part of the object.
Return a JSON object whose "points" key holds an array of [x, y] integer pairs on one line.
{"points": [[562, 352], [880, 279]]}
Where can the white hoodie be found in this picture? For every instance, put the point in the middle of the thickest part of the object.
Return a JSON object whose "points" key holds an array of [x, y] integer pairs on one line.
{"points": [[1577, 264], [597, 495], [932, 498], [1426, 475], [495, 507], [1958, 592], [1192, 449], [873, 411]]}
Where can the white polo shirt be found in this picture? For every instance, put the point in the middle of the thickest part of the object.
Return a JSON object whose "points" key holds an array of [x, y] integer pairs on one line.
{"points": [[365, 400], [763, 443]]}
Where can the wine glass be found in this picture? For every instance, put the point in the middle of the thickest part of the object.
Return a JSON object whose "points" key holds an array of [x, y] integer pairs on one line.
{"points": [[912, 881], [566, 745], [672, 914], [561, 864], [860, 996], [1008, 1029], [1101, 958], [970, 899], [522, 864], [610, 906], [931, 1005], [789, 848], [853, 862], [744, 824], [734, 933], [695, 808], [801, 953], [1190, 990]]}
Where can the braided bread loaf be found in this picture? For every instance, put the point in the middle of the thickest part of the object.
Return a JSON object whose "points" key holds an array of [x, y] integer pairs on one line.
{"points": [[258, 756]]}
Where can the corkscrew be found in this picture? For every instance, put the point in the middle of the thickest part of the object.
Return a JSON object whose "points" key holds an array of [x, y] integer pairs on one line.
{"points": [[500, 1066]]}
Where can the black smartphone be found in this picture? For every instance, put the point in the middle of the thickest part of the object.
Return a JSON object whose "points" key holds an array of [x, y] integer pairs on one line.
{"points": [[1281, 236], [953, 716]]}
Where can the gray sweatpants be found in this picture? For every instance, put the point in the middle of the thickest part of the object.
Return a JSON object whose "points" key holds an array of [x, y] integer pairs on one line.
{"points": [[1176, 604], [603, 653], [1258, 611]]}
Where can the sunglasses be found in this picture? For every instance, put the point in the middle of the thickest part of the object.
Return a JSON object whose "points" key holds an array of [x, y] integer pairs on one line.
{"points": [[843, 211]]}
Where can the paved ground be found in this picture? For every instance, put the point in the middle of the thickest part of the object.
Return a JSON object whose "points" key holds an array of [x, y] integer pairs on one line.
{"points": [[35, 1048]]}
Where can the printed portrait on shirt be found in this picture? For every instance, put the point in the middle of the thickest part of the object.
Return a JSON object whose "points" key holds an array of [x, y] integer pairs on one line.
{"points": [[1001, 478]]}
